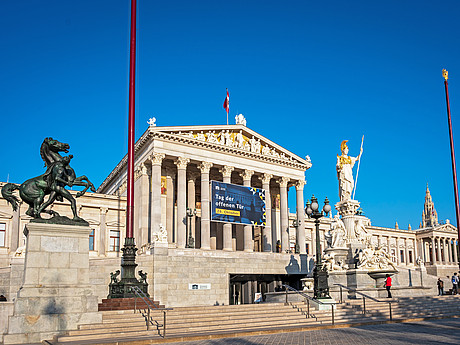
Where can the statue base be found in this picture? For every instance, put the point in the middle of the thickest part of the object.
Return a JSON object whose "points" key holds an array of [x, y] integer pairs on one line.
{"points": [[56, 295]]}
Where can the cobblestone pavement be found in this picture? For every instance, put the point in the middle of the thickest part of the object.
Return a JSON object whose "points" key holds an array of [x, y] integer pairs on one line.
{"points": [[444, 331]]}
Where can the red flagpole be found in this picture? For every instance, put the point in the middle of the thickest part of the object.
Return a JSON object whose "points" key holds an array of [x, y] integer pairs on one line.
{"points": [[452, 155], [132, 77]]}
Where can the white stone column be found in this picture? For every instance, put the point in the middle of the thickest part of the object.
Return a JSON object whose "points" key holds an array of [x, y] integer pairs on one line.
{"points": [[15, 233], [170, 174], [406, 251], [143, 206], [398, 254], [284, 214], [433, 251], [102, 245], [300, 233], [455, 252], [267, 243], [181, 163], [438, 240], [205, 211], [415, 250], [248, 241], [155, 193], [227, 227], [191, 203]]}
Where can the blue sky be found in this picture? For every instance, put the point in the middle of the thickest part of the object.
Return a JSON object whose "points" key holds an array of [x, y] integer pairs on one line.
{"points": [[306, 74]]}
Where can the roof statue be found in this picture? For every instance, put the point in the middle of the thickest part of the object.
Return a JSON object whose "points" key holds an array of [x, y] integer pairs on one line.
{"points": [[344, 168], [240, 120], [151, 122], [57, 176]]}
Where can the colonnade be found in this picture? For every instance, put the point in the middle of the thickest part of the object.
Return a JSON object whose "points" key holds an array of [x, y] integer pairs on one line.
{"points": [[440, 250], [184, 180]]}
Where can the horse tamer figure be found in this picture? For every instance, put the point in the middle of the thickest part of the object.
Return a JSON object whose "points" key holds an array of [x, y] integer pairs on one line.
{"points": [[57, 176]]}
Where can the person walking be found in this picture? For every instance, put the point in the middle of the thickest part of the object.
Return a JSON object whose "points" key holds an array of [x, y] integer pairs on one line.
{"points": [[455, 284], [388, 285], [440, 287]]}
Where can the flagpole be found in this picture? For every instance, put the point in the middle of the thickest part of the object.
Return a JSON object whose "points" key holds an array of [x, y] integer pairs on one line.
{"points": [[452, 156], [357, 170]]}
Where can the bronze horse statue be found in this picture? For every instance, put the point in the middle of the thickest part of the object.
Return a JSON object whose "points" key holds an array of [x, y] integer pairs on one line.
{"points": [[57, 176]]}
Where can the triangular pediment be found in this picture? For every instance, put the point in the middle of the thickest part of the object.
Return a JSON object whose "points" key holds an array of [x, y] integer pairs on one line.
{"points": [[237, 138], [445, 227]]}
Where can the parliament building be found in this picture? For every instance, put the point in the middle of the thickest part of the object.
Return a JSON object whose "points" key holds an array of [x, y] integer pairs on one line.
{"points": [[192, 260]]}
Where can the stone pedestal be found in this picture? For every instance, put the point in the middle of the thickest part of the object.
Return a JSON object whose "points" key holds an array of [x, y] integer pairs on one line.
{"points": [[56, 295]]}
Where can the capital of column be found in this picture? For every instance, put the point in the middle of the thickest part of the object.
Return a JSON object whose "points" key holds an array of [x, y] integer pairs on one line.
{"points": [[299, 184], [266, 178], [103, 210], [182, 162], [144, 170], [156, 158], [283, 181], [205, 167], [226, 171], [247, 174]]}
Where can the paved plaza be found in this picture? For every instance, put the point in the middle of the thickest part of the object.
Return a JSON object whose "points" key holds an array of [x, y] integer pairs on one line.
{"points": [[444, 331]]}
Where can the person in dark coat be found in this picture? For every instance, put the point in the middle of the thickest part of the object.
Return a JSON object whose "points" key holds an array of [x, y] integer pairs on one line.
{"points": [[440, 287]]}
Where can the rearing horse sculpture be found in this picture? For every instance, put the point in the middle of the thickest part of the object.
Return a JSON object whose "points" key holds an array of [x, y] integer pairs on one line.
{"points": [[58, 175]]}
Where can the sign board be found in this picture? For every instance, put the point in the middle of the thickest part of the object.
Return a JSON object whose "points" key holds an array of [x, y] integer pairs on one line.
{"points": [[196, 286], [233, 203]]}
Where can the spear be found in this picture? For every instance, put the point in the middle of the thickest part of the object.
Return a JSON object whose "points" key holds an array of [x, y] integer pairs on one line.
{"points": [[357, 171]]}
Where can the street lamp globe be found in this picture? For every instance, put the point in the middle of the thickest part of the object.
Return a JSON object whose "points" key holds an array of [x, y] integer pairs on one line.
{"points": [[326, 207], [314, 204]]}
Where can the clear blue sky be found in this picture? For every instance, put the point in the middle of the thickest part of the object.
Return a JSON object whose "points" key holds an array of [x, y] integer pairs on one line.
{"points": [[306, 74]]}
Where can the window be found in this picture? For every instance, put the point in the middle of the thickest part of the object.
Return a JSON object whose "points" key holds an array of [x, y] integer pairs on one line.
{"points": [[401, 252], [114, 244], [2, 234], [307, 248], [410, 257], [91, 240], [393, 255]]}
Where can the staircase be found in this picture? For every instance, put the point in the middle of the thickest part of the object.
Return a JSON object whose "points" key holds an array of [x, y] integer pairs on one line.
{"points": [[188, 323]]}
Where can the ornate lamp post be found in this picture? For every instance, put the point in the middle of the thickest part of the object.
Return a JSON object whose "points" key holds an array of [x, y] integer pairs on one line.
{"points": [[295, 224], [321, 288], [190, 241]]}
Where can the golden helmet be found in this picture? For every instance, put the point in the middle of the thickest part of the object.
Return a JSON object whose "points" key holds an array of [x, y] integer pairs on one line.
{"points": [[343, 145]]}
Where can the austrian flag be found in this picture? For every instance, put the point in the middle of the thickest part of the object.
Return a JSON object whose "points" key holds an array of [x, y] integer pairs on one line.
{"points": [[227, 103]]}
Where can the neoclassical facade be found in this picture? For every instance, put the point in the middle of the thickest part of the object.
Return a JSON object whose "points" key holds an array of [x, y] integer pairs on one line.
{"points": [[181, 248], [174, 167]]}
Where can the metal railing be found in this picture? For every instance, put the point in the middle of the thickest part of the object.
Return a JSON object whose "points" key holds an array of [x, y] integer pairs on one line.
{"points": [[307, 300], [138, 293], [364, 298]]}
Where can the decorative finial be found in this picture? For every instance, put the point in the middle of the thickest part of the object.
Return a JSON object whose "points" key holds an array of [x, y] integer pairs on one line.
{"points": [[445, 74]]}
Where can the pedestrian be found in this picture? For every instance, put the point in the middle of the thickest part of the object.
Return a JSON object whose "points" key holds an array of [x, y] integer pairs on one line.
{"points": [[455, 284], [440, 287], [388, 285]]}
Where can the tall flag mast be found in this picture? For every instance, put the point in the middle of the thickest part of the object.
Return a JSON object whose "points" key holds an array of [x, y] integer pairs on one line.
{"points": [[227, 104], [129, 286], [132, 78], [452, 155]]}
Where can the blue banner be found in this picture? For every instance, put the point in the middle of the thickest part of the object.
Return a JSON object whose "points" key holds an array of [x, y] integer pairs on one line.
{"points": [[233, 203]]}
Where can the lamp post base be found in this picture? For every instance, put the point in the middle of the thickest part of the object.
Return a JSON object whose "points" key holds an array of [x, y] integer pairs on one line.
{"points": [[123, 288], [321, 288]]}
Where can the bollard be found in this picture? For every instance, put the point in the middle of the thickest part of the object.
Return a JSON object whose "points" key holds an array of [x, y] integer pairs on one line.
{"points": [[391, 316], [332, 313]]}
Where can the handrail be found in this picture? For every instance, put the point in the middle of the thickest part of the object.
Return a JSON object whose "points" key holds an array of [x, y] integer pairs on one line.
{"points": [[308, 299], [150, 306], [364, 298]]}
